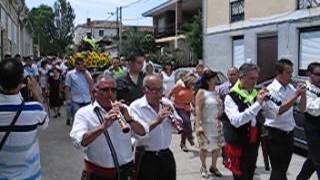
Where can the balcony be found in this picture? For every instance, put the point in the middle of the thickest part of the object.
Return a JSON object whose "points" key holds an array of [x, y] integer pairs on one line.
{"points": [[165, 31], [236, 11], [307, 4]]}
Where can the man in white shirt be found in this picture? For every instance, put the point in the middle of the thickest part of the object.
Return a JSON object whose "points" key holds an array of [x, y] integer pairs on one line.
{"points": [[312, 123], [103, 159], [242, 106], [280, 126], [156, 160]]}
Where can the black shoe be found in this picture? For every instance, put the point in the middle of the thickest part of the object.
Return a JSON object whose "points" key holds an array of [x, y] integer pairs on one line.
{"points": [[68, 122], [59, 114], [55, 116], [184, 148], [215, 172]]}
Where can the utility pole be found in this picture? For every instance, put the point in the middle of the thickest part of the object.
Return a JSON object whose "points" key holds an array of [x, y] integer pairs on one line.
{"points": [[120, 29], [117, 26]]}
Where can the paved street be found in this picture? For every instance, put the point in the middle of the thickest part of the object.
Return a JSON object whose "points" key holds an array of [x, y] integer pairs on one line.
{"points": [[61, 161]]}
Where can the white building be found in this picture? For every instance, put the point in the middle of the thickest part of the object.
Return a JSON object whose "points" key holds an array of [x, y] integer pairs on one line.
{"points": [[261, 31], [15, 37]]}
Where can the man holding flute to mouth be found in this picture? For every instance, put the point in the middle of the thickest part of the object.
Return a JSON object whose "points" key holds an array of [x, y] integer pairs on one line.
{"points": [[154, 159], [280, 122], [106, 120], [312, 123]]}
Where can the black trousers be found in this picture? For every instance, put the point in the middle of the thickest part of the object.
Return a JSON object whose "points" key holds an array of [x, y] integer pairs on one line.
{"points": [[280, 150], [312, 131], [249, 155], [157, 166]]}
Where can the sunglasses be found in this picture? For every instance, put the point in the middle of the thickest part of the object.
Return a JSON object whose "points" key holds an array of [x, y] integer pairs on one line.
{"points": [[108, 89]]}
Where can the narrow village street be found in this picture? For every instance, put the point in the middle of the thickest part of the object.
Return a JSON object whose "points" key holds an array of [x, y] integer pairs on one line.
{"points": [[60, 160]]}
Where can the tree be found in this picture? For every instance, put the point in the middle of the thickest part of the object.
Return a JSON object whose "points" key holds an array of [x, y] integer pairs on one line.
{"points": [[134, 40], [42, 21], [64, 21], [193, 32]]}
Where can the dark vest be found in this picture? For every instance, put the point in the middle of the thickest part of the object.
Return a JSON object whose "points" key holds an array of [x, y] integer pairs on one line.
{"points": [[233, 135]]}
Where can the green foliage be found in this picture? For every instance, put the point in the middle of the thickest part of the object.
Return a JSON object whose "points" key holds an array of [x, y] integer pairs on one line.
{"points": [[193, 32], [64, 21], [137, 41], [53, 29], [42, 21]]}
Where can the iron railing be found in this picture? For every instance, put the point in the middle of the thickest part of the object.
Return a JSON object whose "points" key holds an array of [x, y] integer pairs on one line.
{"points": [[236, 10], [307, 4]]}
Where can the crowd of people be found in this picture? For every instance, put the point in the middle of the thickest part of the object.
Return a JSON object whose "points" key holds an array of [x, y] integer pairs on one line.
{"points": [[123, 119]]}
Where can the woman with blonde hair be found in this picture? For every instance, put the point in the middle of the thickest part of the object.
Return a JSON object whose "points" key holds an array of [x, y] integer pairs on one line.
{"points": [[208, 127], [183, 98]]}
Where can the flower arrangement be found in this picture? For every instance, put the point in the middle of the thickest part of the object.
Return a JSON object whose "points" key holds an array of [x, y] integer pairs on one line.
{"points": [[91, 59]]}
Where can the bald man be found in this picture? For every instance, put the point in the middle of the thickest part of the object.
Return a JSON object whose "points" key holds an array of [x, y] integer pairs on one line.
{"points": [[157, 161], [233, 76]]}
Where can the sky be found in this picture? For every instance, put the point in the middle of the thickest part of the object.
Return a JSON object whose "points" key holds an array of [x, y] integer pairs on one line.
{"points": [[101, 9]]}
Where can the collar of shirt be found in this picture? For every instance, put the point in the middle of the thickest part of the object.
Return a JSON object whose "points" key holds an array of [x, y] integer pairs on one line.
{"points": [[16, 98]]}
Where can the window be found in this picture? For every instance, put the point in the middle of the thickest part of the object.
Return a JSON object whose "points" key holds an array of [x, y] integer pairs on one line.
{"points": [[306, 4], [238, 51], [101, 33], [309, 46], [236, 10]]}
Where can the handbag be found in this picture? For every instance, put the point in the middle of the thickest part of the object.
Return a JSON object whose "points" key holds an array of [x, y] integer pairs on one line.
{"points": [[14, 120]]}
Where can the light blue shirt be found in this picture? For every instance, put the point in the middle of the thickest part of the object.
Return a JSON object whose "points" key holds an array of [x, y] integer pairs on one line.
{"points": [[79, 86]]}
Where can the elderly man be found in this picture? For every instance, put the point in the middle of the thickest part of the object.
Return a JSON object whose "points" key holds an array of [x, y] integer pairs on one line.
{"points": [[19, 124], [79, 85], [242, 106], [155, 161], [233, 76], [90, 132]]}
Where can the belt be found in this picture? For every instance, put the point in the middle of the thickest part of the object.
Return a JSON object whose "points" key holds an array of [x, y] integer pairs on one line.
{"points": [[82, 104], [102, 171], [157, 153], [279, 131]]}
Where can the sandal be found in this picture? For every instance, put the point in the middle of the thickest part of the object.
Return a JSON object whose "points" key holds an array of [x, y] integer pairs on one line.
{"points": [[204, 172], [215, 172]]}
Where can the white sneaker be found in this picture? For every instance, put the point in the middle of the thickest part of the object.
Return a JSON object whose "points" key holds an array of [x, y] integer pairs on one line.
{"points": [[204, 172]]}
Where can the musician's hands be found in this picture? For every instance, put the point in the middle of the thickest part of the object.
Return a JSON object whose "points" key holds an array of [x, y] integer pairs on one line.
{"points": [[262, 95], [110, 117], [301, 89], [164, 113]]}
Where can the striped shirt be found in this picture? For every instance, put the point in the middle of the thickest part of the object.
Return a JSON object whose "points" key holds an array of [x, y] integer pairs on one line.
{"points": [[19, 156]]}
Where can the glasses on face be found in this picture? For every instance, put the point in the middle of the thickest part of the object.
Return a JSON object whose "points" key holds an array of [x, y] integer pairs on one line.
{"points": [[155, 90], [108, 89], [316, 73], [79, 64]]}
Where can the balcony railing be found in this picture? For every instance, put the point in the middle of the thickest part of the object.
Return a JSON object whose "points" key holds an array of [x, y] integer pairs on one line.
{"points": [[165, 31], [307, 4], [237, 10]]}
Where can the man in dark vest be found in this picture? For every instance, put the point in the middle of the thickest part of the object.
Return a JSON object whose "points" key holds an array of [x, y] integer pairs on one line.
{"points": [[242, 106]]}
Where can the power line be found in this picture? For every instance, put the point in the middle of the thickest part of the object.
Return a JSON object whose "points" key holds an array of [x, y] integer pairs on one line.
{"points": [[133, 3]]}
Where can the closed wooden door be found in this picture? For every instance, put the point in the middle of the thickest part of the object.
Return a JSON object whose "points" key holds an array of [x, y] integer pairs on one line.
{"points": [[267, 56]]}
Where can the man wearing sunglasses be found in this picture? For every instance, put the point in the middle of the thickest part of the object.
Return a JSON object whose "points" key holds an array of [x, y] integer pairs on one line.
{"points": [[78, 87], [89, 134], [312, 123]]}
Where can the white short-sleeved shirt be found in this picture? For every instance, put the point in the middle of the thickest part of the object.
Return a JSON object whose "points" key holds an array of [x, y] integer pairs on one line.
{"points": [[160, 137], [79, 86], [98, 152], [313, 101], [284, 121], [20, 155]]}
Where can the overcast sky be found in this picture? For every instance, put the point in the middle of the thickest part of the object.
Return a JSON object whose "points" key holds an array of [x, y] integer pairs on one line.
{"points": [[100, 9]]}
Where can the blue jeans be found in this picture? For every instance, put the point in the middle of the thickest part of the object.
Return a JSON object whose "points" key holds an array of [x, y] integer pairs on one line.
{"points": [[75, 106]]}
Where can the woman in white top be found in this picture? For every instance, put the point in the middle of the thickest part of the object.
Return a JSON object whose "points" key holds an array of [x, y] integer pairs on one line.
{"points": [[208, 127], [167, 75]]}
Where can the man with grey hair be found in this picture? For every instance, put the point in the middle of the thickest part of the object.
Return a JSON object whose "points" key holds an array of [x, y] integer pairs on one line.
{"points": [[233, 76], [154, 159], [242, 105], [102, 120]]}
